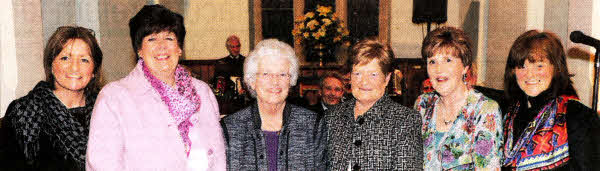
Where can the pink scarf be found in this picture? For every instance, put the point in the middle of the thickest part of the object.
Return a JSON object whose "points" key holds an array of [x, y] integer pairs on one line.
{"points": [[183, 101]]}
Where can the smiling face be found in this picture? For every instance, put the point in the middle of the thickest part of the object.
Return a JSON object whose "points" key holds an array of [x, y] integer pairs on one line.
{"points": [[333, 90], [233, 46], [161, 53], [368, 82], [73, 67], [272, 82], [446, 73], [535, 77]]}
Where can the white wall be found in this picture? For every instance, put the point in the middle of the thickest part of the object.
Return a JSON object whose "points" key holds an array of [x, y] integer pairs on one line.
{"points": [[209, 23], [406, 37], [29, 44], [8, 57], [583, 16], [114, 18]]}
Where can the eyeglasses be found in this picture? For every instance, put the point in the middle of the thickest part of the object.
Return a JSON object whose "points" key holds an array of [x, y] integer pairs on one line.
{"points": [[271, 76]]}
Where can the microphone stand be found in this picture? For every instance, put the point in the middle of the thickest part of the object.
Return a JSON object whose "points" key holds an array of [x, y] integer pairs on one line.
{"points": [[596, 74]]}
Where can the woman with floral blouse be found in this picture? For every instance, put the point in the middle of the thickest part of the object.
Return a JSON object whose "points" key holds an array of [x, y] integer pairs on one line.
{"points": [[462, 128]]}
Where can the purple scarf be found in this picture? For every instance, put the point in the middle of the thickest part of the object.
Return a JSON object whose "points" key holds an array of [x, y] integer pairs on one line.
{"points": [[182, 100]]}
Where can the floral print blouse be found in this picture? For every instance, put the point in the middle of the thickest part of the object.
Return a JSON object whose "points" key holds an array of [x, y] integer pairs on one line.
{"points": [[473, 141]]}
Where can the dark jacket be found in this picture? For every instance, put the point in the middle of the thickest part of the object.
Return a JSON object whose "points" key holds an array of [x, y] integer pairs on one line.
{"points": [[300, 140], [386, 137], [228, 66], [583, 131], [42, 134], [317, 108]]}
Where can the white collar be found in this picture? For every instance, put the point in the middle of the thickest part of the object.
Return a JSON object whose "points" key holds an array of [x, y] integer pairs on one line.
{"points": [[323, 105]]}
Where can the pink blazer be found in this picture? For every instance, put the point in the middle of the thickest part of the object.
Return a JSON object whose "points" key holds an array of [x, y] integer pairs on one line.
{"points": [[131, 129]]}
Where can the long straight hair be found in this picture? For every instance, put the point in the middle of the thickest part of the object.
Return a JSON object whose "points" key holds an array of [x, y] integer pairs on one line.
{"points": [[528, 46]]}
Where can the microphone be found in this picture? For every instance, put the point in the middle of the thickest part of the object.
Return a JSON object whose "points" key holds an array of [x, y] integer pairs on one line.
{"points": [[579, 37]]}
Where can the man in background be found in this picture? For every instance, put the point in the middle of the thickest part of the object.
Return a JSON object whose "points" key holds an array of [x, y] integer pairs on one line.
{"points": [[232, 64], [332, 91], [228, 78]]}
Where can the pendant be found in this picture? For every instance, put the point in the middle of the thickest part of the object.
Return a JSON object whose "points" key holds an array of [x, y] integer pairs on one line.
{"points": [[447, 122]]}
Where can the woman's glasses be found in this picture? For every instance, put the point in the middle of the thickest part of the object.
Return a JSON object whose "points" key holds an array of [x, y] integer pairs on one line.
{"points": [[272, 76]]}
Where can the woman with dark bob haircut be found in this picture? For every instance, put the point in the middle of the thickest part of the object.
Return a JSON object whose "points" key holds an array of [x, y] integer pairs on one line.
{"points": [[49, 126], [158, 117], [546, 126], [462, 128]]}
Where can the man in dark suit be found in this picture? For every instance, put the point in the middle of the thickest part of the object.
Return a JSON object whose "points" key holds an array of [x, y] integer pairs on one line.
{"points": [[228, 77], [232, 64], [332, 91]]}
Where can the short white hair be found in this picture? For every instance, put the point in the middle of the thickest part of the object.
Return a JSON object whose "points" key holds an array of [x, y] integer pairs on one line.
{"points": [[272, 49]]}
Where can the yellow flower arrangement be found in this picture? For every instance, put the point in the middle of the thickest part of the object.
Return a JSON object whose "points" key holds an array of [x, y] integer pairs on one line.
{"points": [[323, 10], [321, 32]]}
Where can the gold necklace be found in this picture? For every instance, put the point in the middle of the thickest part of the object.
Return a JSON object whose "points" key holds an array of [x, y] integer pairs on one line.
{"points": [[445, 121], [443, 114]]}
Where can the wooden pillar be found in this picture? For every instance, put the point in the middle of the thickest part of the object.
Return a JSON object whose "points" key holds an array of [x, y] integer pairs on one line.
{"points": [[298, 12], [341, 10], [257, 11], [384, 20]]}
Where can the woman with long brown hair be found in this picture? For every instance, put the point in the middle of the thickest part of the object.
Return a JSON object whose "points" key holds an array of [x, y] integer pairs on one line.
{"points": [[50, 124], [546, 126]]}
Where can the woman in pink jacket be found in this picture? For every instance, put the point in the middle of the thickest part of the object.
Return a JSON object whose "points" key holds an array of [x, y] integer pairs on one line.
{"points": [[158, 117]]}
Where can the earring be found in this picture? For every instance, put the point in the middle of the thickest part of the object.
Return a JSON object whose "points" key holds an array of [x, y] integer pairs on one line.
{"points": [[464, 78]]}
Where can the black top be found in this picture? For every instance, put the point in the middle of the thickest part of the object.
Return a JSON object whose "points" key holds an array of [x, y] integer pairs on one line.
{"points": [[317, 108], [530, 107], [583, 130], [226, 90], [42, 134], [230, 66]]}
